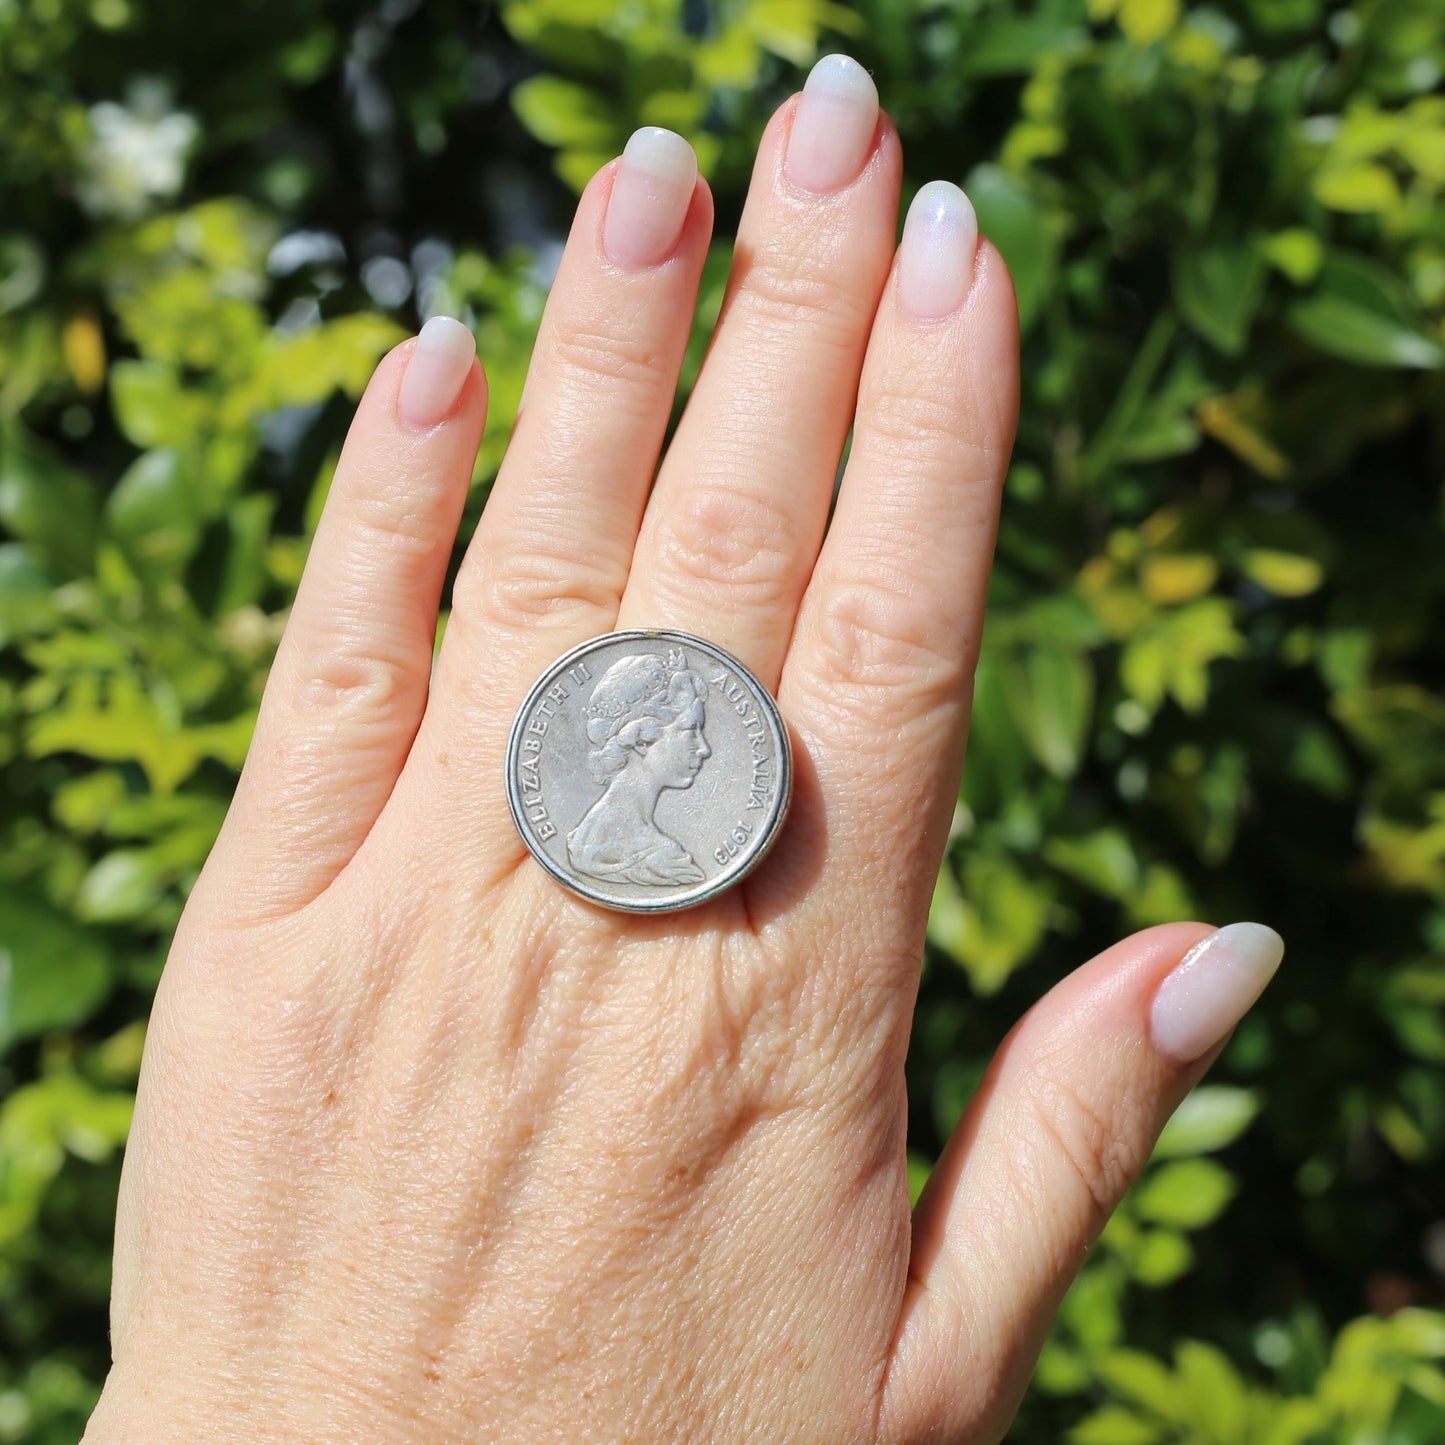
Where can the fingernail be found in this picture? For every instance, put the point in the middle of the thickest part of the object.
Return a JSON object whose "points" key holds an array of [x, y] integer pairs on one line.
{"points": [[440, 362], [1213, 988], [834, 125], [650, 196], [935, 261]]}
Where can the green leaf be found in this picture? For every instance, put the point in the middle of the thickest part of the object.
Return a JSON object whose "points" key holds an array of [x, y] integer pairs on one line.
{"points": [[1091, 1308], [1141, 1380], [1050, 693], [153, 513], [1161, 897], [1210, 1118], [562, 113], [1159, 1257], [22, 271], [1213, 1392], [40, 1124], [1103, 861], [1296, 253], [53, 973], [1113, 1425], [27, 605], [1170, 578], [1015, 44], [307, 368], [1173, 654], [1013, 220], [1061, 1371], [46, 504], [1186, 1194], [992, 923], [1359, 312], [152, 408], [122, 886], [577, 167], [1361, 187], [128, 725], [1283, 573], [244, 575], [1145, 21], [1218, 290]]}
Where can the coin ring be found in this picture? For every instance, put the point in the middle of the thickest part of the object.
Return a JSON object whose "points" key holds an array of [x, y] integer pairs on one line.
{"points": [[575, 777]]}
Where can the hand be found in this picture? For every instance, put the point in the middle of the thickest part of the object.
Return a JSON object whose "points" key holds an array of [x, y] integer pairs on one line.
{"points": [[429, 1150]]}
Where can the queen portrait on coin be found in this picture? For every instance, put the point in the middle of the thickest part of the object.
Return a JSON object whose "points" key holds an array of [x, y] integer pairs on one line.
{"points": [[645, 727]]}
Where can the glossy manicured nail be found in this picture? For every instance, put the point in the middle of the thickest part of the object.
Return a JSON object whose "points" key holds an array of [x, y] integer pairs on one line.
{"points": [[439, 364], [1212, 988], [833, 129], [935, 261], [650, 197]]}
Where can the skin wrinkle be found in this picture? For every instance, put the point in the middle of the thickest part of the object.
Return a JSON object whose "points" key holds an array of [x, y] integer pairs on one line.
{"points": [[518, 591], [630, 371], [255, 1283], [913, 427], [800, 294], [732, 541], [528, 1109], [1095, 1145], [874, 648]]}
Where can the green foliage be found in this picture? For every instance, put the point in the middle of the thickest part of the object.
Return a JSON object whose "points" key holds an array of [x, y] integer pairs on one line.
{"points": [[1210, 684], [1375, 1367]]}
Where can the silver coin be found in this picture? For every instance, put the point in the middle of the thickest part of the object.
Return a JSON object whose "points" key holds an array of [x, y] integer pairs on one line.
{"points": [[648, 771]]}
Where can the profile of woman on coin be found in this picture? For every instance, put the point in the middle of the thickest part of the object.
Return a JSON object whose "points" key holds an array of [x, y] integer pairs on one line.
{"points": [[645, 725]]}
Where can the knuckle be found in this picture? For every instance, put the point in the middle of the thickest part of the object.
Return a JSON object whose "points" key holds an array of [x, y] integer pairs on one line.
{"points": [[783, 292], [398, 521], [1095, 1146], [528, 584], [724, 538], [612, 360], [340, 681], [889, 635], [918, 422]]}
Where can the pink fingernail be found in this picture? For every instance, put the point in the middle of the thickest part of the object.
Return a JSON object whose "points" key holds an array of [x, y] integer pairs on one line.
{"points": [[650, 196], [439, 365], [833, 128], [1212, 988], [935, 261]]}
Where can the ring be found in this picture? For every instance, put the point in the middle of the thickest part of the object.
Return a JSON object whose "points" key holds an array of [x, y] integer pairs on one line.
{"points": [[648, 771]]}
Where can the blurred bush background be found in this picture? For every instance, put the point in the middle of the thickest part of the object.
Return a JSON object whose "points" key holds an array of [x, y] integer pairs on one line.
{"points": [[1211, 685]]}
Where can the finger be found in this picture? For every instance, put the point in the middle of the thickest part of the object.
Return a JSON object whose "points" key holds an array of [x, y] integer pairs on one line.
{"points": [[550, 556], [733, 526], [349, 682], [878, 677], [1062, 1124]]}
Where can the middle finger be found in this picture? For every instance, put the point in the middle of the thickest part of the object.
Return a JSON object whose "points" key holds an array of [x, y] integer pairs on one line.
{"points": [[737, 515]]}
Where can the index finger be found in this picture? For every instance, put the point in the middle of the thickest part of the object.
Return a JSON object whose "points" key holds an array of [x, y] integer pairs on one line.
{"points": [[878, 679]]}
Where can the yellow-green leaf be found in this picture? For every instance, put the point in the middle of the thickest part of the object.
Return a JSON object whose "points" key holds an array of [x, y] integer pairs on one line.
{"points": [[1145, 21], [1186, 1194], [1363, 187], [1174, 577], [1295, 252], [1114, 1425], [1284, 573]]}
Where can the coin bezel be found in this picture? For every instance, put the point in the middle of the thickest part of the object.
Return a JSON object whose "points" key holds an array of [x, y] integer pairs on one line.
{"points": [[737, 870]]}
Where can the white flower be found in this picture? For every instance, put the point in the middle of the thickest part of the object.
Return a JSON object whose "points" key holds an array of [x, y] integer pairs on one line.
{"points": [[136, 154]]}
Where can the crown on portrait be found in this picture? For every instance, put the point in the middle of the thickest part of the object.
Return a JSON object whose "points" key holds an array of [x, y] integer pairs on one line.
{"points": [[633, 679]]}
